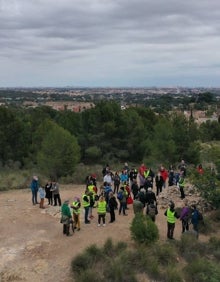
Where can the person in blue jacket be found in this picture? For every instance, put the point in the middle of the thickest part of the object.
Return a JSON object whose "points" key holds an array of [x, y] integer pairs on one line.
{"points": [[34, 189]]}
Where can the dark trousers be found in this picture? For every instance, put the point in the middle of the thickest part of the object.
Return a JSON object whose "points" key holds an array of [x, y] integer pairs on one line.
{"points": [[116, 187], [101, 216], [86, 213], [50, 201], [112, 214], [182, 192], [66, 229], [170, 230], [185, 225], [57, 198], [34, 197], [122, 207], [159, 190]]}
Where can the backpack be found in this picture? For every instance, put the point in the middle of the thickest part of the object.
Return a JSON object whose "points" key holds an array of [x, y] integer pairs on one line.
{"points": [[119, 196], [152, 210]]}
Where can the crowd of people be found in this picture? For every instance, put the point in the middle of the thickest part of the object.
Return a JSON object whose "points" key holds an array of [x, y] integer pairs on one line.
{"points": [[118, 190]]}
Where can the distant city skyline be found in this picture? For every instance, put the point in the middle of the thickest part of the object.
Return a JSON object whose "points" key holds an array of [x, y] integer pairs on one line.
{"points": [[109, 43]]}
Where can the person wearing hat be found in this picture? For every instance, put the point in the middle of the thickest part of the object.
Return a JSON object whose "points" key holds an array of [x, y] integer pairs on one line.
{"points": [[34, 189], [66, 218], [171, 215]]}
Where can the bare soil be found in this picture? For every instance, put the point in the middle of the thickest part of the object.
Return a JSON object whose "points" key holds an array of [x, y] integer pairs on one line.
{"points": [[32, 246]]}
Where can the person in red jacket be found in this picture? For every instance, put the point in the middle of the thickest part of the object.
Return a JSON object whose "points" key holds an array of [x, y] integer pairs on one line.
{"points": [[164, 174], [141, 171]]}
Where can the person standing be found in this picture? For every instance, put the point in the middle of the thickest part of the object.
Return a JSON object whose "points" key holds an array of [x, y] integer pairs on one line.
{"points": [[150, 196], [151, 210], [134, 188], [133, 175], [101, 208], [164, 175], [66, 218], [184, 217], [159, 182], [116, 180], [171, 215], [182, 168], [86, 205], [123, 200], [34, 189], [181, 186], [76, 212], [49, 193], [171, 176], [112, 203], [56, 193], [42, 196]]}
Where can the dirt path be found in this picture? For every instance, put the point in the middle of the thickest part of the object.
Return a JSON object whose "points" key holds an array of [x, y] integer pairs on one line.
{"points": [[32, 246]]}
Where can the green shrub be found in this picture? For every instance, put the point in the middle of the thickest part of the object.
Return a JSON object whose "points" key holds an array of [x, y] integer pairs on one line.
{"points": [[91, 275], [172, 274], [80, 263], [152, 268], [215, 216], [81, 171], [144, 230], [206, 226], [202, 270], [14, 179], [165, 253], [109, 249], [214, 246], [120, 269], [189, 246], [214, 242]]}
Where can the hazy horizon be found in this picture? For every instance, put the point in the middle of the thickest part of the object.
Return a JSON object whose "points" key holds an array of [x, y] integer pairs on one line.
{"points": [[109, 43]]}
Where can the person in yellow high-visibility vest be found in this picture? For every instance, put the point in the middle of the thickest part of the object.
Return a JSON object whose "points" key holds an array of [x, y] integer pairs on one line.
{"points": [[171, 215], [101, 209], [86, 204], [76, 212]]}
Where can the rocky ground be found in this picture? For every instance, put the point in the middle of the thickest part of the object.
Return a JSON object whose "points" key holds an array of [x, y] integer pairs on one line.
{"points": [[33, 248]]}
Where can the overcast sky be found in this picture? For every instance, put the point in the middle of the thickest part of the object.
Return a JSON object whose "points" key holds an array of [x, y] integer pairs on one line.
{"points": [[110, 43]]}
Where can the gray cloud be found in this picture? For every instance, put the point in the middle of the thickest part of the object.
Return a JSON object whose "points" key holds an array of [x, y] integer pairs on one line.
{"points": [[110, 38]]}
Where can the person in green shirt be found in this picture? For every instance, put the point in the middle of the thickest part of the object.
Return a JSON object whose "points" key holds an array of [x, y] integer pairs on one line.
{"points": [[66, 218]]}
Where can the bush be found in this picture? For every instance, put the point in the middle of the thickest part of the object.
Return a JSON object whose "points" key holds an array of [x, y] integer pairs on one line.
{"points": [[144, 230], [202, 270], [189, 246], [85, 266], [165, 254], [172, 274], [214, 246], [216, 215]]}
